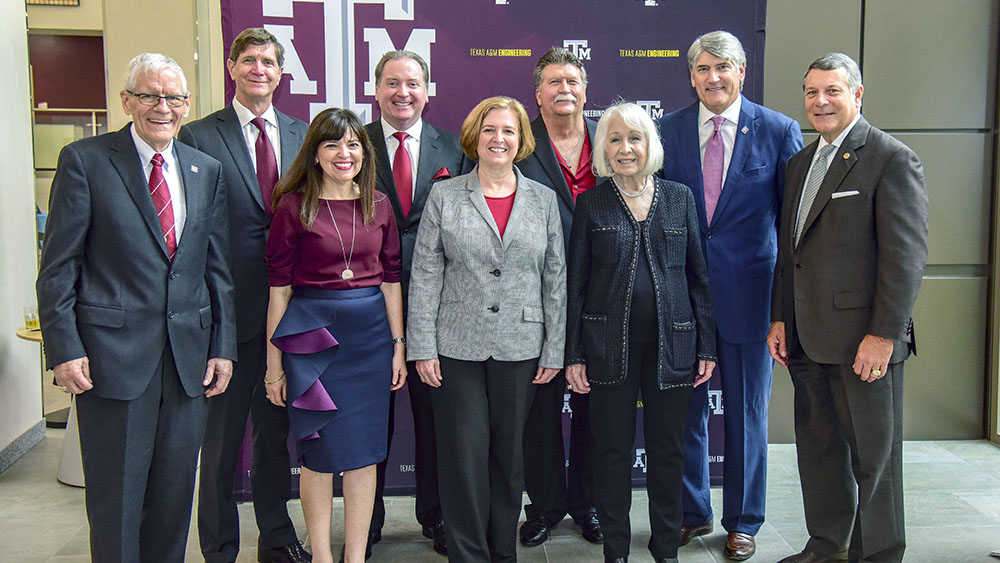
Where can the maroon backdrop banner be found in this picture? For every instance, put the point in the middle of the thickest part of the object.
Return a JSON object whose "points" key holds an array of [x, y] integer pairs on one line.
{"points": [[634, 49]]}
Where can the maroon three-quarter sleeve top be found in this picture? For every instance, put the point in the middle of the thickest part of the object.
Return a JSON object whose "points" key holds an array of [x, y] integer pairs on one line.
{"points": [[314, 258]]}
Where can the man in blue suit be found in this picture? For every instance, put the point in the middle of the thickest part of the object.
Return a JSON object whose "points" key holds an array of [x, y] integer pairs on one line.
{"points": [[731, 152]]}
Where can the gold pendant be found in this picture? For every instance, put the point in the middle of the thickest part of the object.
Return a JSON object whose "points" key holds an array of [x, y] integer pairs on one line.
{"points": [[347, 274]]}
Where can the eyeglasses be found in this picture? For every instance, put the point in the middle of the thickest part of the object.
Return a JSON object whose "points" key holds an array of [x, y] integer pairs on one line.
{"points": [[174, 101]]}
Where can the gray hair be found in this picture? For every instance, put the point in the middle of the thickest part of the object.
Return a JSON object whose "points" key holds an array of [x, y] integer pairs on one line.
{"points": [[719, 43], [635, 118], [151, 62], [399, 55], [558, 56], [833, 61]]}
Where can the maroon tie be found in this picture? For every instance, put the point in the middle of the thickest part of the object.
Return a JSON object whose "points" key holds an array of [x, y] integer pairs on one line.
{"points": [[712, 165], [402, 173], [267, 165], [161, 200]]}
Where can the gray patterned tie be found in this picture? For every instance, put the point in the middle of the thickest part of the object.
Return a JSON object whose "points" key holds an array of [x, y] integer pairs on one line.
{"points": [[812, 188]]}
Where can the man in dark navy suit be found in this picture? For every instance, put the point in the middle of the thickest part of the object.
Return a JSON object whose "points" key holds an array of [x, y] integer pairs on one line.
{"points": [[731, 152], [411, 155], [251, 164]]}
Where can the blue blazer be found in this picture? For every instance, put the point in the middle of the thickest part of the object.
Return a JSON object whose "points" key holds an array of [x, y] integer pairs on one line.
{"points": [[741, 244]]}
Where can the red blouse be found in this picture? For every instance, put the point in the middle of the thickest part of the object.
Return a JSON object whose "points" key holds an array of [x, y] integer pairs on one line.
{"points": [[314, 257], [500, 207]]}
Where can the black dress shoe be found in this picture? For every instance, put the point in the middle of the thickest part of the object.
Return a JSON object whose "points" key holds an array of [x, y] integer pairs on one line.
{"points": [[666, 560], [535, 531], [616, 560], [436, 533], [590, 527], [807, 557], [291, 553]]}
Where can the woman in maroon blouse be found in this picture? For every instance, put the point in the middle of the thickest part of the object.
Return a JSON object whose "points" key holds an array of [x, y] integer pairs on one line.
{"points": [[335, 322]]}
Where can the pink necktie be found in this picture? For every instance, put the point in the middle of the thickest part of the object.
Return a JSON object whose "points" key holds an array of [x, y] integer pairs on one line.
{"points": [[161, 200], [711, 172], [267, 165], [402, 173]]}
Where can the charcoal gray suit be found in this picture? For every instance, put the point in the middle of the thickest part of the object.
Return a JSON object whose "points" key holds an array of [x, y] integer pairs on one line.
{"points": [[108, 291], [221, 136], [855, 271]]}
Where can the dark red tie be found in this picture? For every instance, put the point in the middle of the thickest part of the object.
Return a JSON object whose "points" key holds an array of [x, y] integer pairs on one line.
{"points": [[267, 165], [402, 173], [161, 200]]}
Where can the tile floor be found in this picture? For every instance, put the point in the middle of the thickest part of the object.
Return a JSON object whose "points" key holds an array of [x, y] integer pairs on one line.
{"points": [[952, 514]]}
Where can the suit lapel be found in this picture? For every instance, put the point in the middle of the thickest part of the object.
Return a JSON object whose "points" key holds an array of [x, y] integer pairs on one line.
{"points": [[194, 191], [690, 152], [289, 137], [843, 160], [741, 150], [550, 164], [125, 159], [430, 147], [232, 137], [479, 202]]}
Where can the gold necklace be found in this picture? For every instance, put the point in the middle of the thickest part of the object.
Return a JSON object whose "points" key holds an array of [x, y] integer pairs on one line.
{"points": [[347, 273]]}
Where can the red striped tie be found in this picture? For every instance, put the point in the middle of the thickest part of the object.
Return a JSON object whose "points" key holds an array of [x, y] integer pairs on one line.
{"points": [[402, 173], [161, 200]]}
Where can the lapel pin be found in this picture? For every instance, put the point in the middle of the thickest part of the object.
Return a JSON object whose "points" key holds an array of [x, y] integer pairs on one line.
{"points": [[847, 155], [745, 130], [194, 169]]}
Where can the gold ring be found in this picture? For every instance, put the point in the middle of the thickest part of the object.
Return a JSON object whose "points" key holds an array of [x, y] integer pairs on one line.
{"points": [[64, 389], [268, 397], [876, 372]]}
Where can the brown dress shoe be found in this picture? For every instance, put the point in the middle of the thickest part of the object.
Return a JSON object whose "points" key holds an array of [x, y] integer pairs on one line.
{"points": [[740, 546], [688, 532]]}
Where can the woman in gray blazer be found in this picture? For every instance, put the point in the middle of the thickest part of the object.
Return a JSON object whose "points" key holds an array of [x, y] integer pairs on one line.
{"points": [[639, 318], [486, 321]]}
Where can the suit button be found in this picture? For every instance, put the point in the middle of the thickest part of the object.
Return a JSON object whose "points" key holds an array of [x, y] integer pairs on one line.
{"points": [[708, 235], [798, 266], [406, 232], [496, 272], [495, 308], [173, 275], [171, 315]]}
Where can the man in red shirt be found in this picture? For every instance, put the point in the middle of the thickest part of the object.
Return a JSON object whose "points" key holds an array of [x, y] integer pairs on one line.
{"points": [[561, 161]]}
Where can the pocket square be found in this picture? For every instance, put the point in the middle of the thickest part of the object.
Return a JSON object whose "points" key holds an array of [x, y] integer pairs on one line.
{"points": [[849, 193], [442, 174]]}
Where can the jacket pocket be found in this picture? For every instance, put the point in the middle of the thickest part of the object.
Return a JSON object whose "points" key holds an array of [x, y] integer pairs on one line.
{"points": [[853, 298], [604, 245], [205, 313], [594, 335], [676, 246], [100, 315], [684, 344], [534, 315]]}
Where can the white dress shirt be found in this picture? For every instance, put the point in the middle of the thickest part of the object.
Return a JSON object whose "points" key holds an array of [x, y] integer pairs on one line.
{"points": [[412, 146], [171, 175], [706, 128], [250, 131]]}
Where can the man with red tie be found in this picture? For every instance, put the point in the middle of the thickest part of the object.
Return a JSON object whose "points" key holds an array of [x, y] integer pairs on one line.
{"points": [[411, 155], [250, 138], [136, 306]]}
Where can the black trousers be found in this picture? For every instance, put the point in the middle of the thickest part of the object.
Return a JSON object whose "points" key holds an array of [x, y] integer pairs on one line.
{"points": [[428, 502], [849, 439], [554, 489], [479, 416], [139, 462], [612, 422], [270, 478]]}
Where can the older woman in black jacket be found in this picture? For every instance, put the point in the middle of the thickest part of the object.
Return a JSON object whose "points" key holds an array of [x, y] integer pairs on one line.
{"points": [[639, 317]]}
